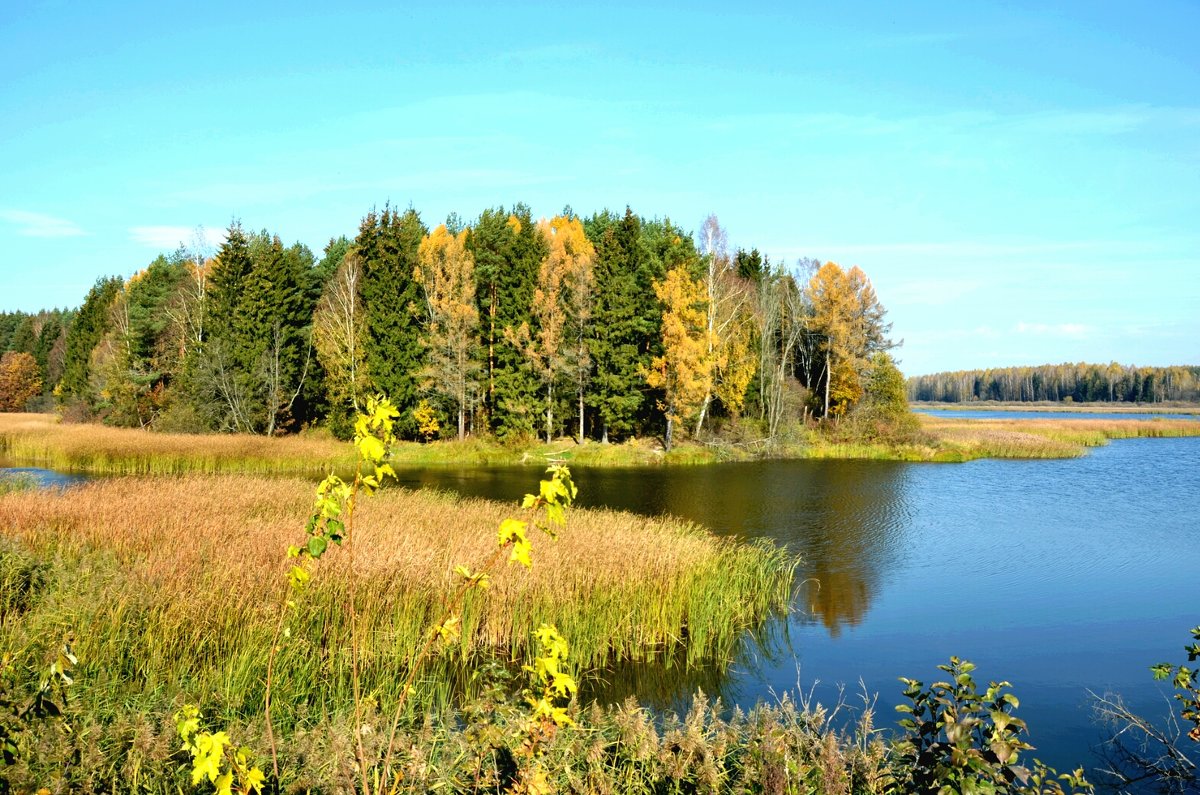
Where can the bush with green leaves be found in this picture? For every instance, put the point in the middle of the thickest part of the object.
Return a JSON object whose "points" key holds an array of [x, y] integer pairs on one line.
{"points": [[958, 740]]}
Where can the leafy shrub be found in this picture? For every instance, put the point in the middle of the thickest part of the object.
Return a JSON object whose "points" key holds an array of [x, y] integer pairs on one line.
{"points": [[960, 741]]}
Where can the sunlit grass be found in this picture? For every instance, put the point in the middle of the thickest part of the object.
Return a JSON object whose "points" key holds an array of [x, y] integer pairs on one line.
{"points": [[40, 439], [172, 585], [965, 439]]}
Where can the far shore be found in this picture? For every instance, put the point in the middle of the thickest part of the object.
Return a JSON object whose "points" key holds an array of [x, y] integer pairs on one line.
{"points": [[1173, 407], [41, 440]]}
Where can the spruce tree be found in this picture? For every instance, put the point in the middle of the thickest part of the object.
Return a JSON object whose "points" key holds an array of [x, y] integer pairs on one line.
{"points": [[618, 332], [508, 251], [87, 329], [387, 244]]}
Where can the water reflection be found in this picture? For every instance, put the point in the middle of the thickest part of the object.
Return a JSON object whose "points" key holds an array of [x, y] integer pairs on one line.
{"points": [[846, 520], [19, 477]]}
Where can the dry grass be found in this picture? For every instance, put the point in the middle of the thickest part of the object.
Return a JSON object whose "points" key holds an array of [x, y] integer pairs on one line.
{"points": [[964, 439], [41, 439], [172, 584]]}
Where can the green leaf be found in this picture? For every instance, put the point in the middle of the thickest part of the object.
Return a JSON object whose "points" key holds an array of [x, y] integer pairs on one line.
{"points": [[317, 546]]}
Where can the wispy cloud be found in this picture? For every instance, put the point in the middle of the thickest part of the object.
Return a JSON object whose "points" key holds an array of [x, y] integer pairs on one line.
{"points": [[41, 225], [170, 237], [1074, 330]]}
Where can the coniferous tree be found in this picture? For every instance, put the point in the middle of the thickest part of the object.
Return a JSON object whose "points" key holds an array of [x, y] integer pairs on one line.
{"points": [[618, 332], [24, 336], [387, 244], [87, 329], [224, 389], [508, 251]]}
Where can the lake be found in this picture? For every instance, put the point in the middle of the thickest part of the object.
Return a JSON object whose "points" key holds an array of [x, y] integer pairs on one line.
{"points": [[1061, 576]]}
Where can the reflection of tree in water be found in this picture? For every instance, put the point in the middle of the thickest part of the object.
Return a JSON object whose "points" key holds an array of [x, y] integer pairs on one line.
{"points": [[845, 519], [848, 537], [669, 685]]}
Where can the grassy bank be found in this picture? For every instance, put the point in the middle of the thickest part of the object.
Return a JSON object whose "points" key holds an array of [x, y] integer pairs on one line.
{"points": [[38, 439], [943, 439], [172, 586]]}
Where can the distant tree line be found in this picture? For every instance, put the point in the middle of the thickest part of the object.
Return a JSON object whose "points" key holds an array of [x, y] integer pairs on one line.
{"points": [[1057, 382], [604, 327]]}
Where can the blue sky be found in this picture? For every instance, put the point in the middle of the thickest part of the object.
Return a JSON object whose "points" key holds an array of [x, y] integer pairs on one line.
{"points": [[1021, 181]]}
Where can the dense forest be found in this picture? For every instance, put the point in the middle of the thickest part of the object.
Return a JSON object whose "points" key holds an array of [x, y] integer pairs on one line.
{"points": [[605, 327], [1061, 382]]}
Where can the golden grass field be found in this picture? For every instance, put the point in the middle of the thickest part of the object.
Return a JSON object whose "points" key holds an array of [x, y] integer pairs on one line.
{"points": [[182, 577]]}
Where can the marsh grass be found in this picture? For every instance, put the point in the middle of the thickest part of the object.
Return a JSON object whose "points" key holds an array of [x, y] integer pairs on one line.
{"points": [[172, 584], [40, 439], [961, 440]]}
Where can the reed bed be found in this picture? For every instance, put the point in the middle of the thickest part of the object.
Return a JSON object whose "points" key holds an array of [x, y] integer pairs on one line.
{"points": [[172, 586], [41, 440], [965, 439]]}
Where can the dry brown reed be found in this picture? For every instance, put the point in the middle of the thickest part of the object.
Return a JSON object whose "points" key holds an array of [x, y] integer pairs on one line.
{"points": [[41, 439], [172, 583], [961, 439]]}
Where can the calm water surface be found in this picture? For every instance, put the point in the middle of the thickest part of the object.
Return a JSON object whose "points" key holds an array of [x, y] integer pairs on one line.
{"points": [[1001, 414], [39, 477], [1059, 576]]}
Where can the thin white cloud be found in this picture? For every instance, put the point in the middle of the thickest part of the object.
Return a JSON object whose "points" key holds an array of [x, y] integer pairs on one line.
{"points": [[41, 225], [1074, 330], [171, 237]]}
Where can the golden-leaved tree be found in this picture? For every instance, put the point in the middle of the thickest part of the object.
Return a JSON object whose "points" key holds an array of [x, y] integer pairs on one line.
{"points": [[339, 336], [848, 319], [684, 371], [19, 380], [446, 272], [556, 345], [731, 323]]}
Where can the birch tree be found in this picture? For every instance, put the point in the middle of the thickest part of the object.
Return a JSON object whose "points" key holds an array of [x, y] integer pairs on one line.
{"points": [[446, 272], [339, 332], [684, 371]]}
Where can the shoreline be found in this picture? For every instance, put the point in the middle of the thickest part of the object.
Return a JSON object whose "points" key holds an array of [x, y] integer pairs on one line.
{"points": [[1067, 408], [40, 440]]}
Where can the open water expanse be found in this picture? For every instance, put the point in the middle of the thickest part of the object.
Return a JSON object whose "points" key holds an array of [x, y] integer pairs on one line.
{"points": [[1060, 576]]}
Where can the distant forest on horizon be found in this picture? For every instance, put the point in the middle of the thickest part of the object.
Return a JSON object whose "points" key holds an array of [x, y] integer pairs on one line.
{"points": [[1079, 383]]}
